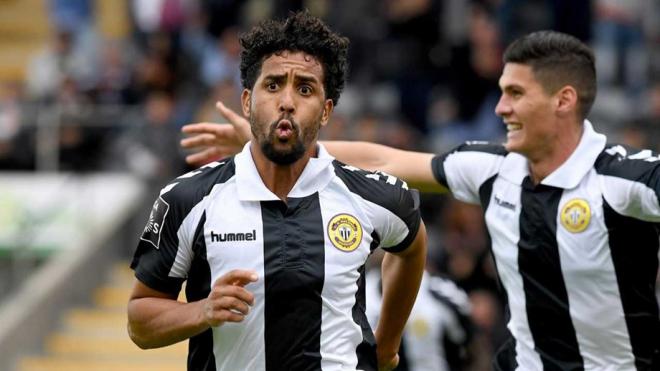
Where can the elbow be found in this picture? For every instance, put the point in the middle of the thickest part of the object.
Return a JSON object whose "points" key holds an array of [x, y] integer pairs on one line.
{"points": [[141, 341]]}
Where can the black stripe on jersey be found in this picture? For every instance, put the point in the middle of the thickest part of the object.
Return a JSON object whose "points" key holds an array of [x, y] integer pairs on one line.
{"points": [[366, 350], [200, 347], [636, 266], [437, 163], [545, 290], [645, 172], [393, 197], [375, 241], [294, 260], [152, 266]]}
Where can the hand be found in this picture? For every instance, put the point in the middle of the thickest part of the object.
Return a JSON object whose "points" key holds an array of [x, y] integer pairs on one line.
{"points": [[387, 363], [228, 300], [214, 141]]}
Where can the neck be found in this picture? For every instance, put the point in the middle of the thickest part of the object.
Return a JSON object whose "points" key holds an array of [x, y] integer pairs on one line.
{"points": [[549, 158], [280, 179]]}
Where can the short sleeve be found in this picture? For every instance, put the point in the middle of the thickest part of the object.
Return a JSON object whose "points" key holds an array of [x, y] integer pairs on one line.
{"points": [[464, 169], [169, 231]]}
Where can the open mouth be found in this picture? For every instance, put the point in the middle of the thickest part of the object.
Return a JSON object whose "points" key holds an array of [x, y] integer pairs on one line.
{"points": [[513, 126]]}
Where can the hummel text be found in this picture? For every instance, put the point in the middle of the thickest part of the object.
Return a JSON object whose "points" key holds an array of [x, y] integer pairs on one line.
{"points": [[223, 237]]}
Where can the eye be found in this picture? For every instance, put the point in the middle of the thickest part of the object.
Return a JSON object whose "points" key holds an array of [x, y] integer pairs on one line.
{"points": [[272, 86], [516, 93], [305, 90]]}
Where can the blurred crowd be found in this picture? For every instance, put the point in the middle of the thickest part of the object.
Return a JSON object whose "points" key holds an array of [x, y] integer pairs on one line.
{"points": [[423, 75]]}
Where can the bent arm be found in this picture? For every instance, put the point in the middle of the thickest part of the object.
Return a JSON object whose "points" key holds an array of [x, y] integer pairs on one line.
{"points": [[402, 275], [413, 167], [157, 319]]}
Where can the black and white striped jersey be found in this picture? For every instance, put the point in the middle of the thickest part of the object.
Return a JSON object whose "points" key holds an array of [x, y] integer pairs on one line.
{"points": [[576, 254], [309, 254], [438, 329]]}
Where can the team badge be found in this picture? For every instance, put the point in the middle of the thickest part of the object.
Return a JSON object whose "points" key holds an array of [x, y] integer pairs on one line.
{"points": [[345, 232], [575, 215], [154, 226], [420, 328]]}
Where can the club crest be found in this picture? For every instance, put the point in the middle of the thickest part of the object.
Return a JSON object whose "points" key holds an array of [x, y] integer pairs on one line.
{"points": [[575, 215], [345, 232]]}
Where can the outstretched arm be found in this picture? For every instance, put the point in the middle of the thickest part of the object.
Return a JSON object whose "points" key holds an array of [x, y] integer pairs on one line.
{"points": [[213, 141], [413, 167]]}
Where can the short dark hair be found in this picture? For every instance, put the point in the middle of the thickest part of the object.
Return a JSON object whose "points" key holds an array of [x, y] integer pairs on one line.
{"points": [[299, 32], [557, 60]]}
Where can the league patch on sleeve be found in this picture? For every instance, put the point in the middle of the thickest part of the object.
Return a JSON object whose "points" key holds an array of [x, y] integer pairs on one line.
{"points": [[154, 226]]}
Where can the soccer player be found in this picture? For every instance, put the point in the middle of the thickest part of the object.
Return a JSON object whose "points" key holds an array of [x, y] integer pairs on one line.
{"points": [[439, 329], [272, 242], [573, 220]]}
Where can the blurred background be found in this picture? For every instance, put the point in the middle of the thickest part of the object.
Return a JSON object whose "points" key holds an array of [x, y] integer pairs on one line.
{"points": [[93, 94]]}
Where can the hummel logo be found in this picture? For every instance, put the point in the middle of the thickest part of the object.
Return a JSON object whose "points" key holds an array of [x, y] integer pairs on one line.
{"points": [[223, 237], [504, 204]]}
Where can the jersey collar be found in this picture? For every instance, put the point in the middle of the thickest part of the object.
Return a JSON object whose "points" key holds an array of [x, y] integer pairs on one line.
{"points": [[515, 166], [315, 176]]}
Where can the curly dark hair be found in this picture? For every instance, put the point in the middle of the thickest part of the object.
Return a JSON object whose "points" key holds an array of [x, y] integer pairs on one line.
{"points": [[557, 59], [299, 32]]}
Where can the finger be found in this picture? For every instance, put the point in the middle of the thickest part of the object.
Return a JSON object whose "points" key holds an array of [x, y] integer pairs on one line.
{"points": [[233, 304], [237, 277], [225, 290], [216, 318], [237, 292], [204, 157], [199, 128], [231, 116], [199, 140]]}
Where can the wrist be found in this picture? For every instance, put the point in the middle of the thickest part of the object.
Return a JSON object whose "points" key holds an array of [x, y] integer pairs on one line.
{"points": [[203, 320]]}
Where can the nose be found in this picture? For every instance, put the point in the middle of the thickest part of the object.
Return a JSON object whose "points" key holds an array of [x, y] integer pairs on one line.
{"points": [[287, 103], [503, 107]]}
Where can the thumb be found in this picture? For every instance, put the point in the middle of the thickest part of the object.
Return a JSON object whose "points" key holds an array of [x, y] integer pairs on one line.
{"points": [[234, 118]]}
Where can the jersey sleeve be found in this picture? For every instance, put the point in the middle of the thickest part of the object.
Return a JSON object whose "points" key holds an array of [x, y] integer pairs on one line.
{"points": [[392, 208], [464, 169], [398, 229], [164, 252], [631, 181]]}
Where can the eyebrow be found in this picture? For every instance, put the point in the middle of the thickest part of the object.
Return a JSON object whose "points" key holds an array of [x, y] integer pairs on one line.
{"points": [[511, 87], [298, 78]]}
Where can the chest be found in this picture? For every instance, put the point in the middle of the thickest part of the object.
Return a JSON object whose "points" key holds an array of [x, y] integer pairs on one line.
{"points": [[313, 242], [556, 226]]}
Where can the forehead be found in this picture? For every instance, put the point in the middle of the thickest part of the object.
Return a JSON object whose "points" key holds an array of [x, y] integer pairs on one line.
{"points": [[286, 61], [518, 74]]}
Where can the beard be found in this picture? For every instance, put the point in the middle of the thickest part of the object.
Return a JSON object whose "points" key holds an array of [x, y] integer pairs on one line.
{"points": [[301, 140]]}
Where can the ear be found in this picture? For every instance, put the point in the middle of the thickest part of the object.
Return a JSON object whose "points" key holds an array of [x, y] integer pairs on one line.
{"points": [[246, 98], [328, 106], [566, 100]]}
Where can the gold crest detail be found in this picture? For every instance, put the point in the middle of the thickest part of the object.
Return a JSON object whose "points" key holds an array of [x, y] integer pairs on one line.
{"points": [[575, 215], [345, 232]]}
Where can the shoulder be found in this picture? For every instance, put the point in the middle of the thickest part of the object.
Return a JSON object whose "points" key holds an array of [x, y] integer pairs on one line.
{"points": [[447, 292], [622, 161], [190, 188], [481, 147], [375, 186]]}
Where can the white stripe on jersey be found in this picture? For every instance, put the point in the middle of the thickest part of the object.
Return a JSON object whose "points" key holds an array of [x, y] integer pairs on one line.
{"points": [[587, 267], [503, 227]]}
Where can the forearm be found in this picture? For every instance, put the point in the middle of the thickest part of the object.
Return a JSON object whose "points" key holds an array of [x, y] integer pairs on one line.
{"points": [[401, 278], [157, 322], [412, 167], [365, 155]]}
